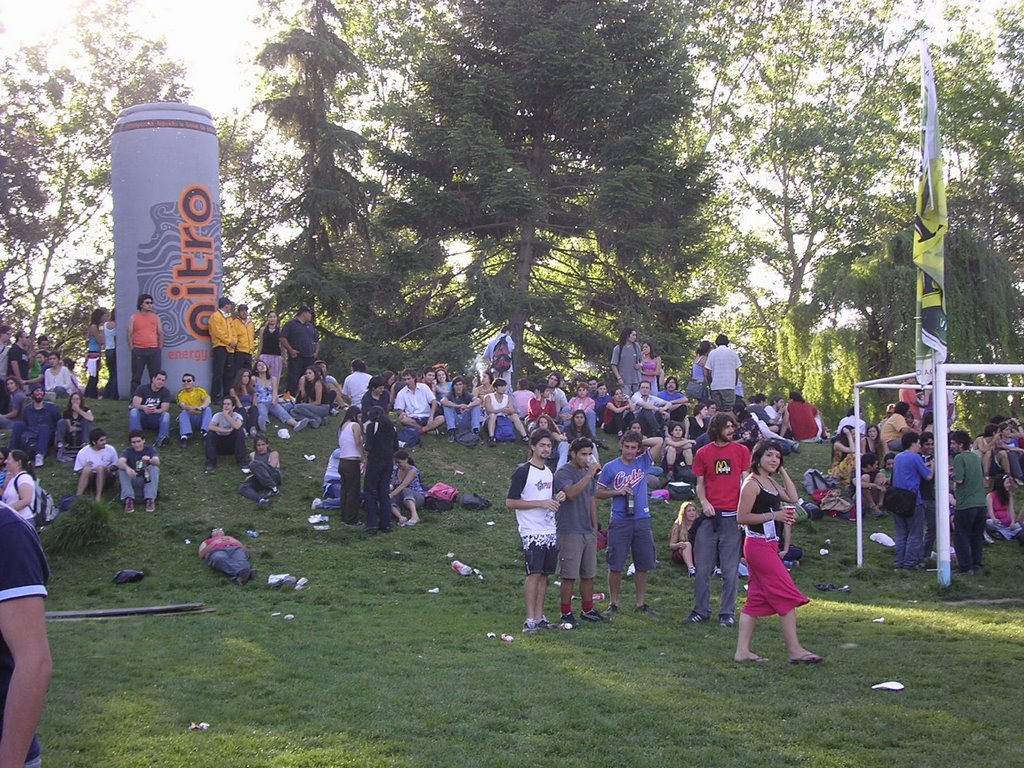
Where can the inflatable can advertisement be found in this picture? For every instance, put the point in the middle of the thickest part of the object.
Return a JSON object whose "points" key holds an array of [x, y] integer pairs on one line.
{"points": [[167, 236]]}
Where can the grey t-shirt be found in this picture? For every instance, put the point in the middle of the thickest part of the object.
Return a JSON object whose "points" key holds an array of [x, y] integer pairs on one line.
{"points": [[626, 358], [573, 515]]}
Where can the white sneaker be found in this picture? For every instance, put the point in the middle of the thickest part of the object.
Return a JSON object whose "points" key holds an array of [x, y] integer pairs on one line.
{"points": [[317, 503], [39, 459]]}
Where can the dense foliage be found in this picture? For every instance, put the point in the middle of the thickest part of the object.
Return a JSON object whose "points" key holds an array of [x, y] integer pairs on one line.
{"points": [[427, 172]]}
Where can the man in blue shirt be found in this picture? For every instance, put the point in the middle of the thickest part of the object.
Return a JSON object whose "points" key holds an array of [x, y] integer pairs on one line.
{"points": [[624, 481], [908, 471], [38, 419]]}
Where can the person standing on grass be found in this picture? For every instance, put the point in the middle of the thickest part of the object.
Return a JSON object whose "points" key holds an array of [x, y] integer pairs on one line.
{"points": [[576, 528], [624, 481], [25, 663], [719, 467], [530, 494], [772, 590], [969, 517], [908, 471]]}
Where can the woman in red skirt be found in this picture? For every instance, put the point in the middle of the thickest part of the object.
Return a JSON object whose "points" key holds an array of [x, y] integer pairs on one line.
{"points": [[771, 589]]}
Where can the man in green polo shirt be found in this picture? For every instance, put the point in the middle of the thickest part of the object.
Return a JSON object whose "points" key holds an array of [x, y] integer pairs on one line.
{"points": [[969, 490]]}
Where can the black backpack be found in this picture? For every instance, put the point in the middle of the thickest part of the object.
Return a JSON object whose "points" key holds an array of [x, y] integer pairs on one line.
{"points": [[474, 501]]}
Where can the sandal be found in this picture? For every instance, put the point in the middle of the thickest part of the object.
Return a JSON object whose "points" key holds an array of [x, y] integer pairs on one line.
{"points": [[755, 659], [807, 658]]}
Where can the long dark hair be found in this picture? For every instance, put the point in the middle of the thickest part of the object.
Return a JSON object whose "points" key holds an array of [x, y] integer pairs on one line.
{"points": [[97, 316], [572, 433], [85, 406], [624, 336], [999, 489], [378, 423], [309, 387]]}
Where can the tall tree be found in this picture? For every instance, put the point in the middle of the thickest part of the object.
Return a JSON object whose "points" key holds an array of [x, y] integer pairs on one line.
{"points": [[308, 67], [543, 136], [55, 124]]}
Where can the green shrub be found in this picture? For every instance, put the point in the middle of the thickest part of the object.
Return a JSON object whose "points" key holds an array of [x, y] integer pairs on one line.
{"points": [[87, 525]]}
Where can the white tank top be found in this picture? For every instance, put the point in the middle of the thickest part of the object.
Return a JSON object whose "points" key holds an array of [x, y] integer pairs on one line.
{"points": [[109, 336], [347, 442]]}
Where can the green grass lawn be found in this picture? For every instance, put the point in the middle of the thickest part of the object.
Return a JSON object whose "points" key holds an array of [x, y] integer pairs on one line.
{"points": [[376, 671]]}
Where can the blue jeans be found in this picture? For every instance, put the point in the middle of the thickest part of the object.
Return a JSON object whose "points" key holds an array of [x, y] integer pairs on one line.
{"points": [[332, 495], [475, 417], [266, 410], [229, 560], [42, 433], [909, 538], [189, 422], [161, 422], [132, 488]]}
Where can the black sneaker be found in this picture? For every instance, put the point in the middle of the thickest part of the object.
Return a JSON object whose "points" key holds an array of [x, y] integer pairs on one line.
{"points": [[543, 623], [694, 618], [645, 608], [726, 621], [612, 609], [568, 621], [592, 615], [183, 442], [209, 468], [692, 572], [451, 435], [491, 443]]}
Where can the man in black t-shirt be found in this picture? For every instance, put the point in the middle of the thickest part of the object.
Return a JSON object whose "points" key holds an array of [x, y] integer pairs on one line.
{"points": [[151, 408], [139, 472]]}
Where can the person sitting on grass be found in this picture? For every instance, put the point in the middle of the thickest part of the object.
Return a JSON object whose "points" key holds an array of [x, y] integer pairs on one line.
{"points": [[58, 381], [1002, 520], [872, 483], [458, 402], [500, 403], [265, 467], [95, 463], [139, 472], [311, 398], [225, 436], [406, 489], [682, 531], [71, 428], [195, 409], [226, 554], [39, 420], [543, 404], [151, 408], [678, 450], [617, 414], [416, 404]]}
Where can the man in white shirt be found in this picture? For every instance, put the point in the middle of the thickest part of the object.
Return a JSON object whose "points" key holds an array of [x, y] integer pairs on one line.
{"points": [[530, 495], [95, 463], [416, 404], [356, 383], [650, 410], [723, 372]]}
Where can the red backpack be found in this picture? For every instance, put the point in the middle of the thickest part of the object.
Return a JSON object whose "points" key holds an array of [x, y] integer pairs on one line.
{"points": [[502, 359]]}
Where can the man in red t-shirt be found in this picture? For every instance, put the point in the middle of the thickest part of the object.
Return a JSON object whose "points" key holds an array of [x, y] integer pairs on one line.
{"points": [[804, 422], [719, 467]]}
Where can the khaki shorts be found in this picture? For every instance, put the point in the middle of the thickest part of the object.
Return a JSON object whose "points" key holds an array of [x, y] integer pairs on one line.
{"points": [[577, 555]]}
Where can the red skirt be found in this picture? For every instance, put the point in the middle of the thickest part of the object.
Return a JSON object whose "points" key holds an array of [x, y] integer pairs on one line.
{"points": [[771, 590]]}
